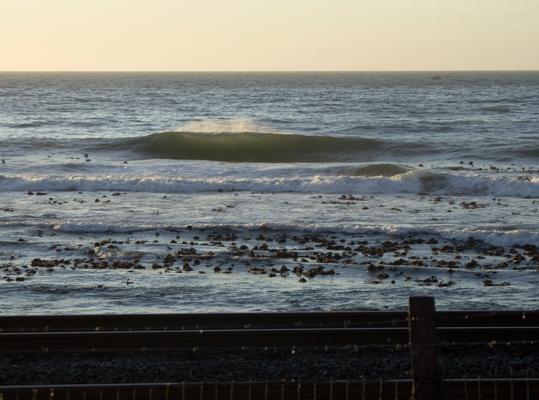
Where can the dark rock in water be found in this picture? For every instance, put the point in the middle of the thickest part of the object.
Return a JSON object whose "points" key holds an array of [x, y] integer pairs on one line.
{"points": [[489, 282], [445, 284], [186, 267]]}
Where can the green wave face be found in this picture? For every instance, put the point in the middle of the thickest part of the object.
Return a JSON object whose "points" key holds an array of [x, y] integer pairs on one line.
{"points": [[379, 169], [256, 147]]}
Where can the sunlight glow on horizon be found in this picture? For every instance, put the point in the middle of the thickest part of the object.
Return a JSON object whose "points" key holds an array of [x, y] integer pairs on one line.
{"points": [[240, 35]]}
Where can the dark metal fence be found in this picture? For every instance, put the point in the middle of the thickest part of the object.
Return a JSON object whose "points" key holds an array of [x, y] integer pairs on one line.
{"points": [[422, 331]]}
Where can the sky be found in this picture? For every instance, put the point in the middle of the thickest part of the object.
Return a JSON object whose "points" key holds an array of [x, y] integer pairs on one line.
{"points": [[267, 35]]}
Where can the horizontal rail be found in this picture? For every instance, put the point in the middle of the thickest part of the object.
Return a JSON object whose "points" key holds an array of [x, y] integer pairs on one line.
{"points": [[198, 321], [502, 388], [136, 322], [110, 341], [488, 335], [358, 389], [176, 340]]}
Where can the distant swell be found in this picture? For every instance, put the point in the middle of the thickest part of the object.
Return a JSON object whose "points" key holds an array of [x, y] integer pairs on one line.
{"points": [[528, 151], [498, 108], [261, 147]]}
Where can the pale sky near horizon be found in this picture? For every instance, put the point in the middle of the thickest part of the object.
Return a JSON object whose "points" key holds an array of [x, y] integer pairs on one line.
{"points": [[243, 35]]}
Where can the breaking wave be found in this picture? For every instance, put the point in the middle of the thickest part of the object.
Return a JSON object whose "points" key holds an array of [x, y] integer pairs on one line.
{"points": [[243, 140], [412, 182], [263, 147]]}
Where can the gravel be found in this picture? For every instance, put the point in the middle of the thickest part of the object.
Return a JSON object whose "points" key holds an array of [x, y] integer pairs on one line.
{"points": [[306, 364]]}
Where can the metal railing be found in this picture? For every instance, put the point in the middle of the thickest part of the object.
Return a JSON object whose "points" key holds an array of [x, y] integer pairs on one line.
{"points": [[422, 331]]}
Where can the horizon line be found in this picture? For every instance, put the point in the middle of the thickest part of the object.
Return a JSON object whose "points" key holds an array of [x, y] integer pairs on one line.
{"points": [[263, 71]]}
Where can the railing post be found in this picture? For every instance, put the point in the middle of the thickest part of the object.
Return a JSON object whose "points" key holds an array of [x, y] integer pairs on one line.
{"points": [[423, 348]]}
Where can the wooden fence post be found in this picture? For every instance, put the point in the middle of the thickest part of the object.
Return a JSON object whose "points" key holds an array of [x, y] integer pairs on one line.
{"points": [[423, 348]]}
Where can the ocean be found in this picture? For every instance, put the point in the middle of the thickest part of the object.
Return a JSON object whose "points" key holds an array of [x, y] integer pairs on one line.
{"points": [[201, 192]]}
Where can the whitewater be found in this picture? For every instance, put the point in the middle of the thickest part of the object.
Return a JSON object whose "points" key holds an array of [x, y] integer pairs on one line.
{"points": [[238, 173]]}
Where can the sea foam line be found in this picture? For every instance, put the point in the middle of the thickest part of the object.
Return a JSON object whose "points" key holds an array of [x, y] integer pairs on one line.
{"points": [[495, 237], [413, 182]]}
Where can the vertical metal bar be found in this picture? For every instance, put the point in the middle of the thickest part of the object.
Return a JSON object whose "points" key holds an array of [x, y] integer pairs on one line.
{"points": [[183, 390], [347, 390], [167, 391], [266, 391], [331, 390], [202, 391], [216, 391], [465, 390], [527, 384], [282, 390], [496, 383], [479, 388], [314, 390], [397, 389], [363, 388], [150, 394], [117, 394], [250, 391], [380, 389], [231, 393], [84, 394], [298, 391], [512, 383], [423, 351], [100, 391], [134, 394], [68, 394]]}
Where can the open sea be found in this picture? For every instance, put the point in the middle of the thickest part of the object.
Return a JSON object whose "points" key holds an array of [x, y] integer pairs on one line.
{"points": [[199, 192]]}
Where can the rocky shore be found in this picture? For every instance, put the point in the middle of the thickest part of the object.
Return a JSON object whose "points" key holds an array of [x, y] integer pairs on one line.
{"points": [[278, 254]]}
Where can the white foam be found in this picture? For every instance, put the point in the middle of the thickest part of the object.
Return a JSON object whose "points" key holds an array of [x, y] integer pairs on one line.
{"points": [[218, 126], [70, 227], [413, 182], [495, 237]]}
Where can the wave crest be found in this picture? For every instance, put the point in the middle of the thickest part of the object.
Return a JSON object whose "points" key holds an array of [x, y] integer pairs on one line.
{"points": [[497, 108], [374, 169], [261, 147]]}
